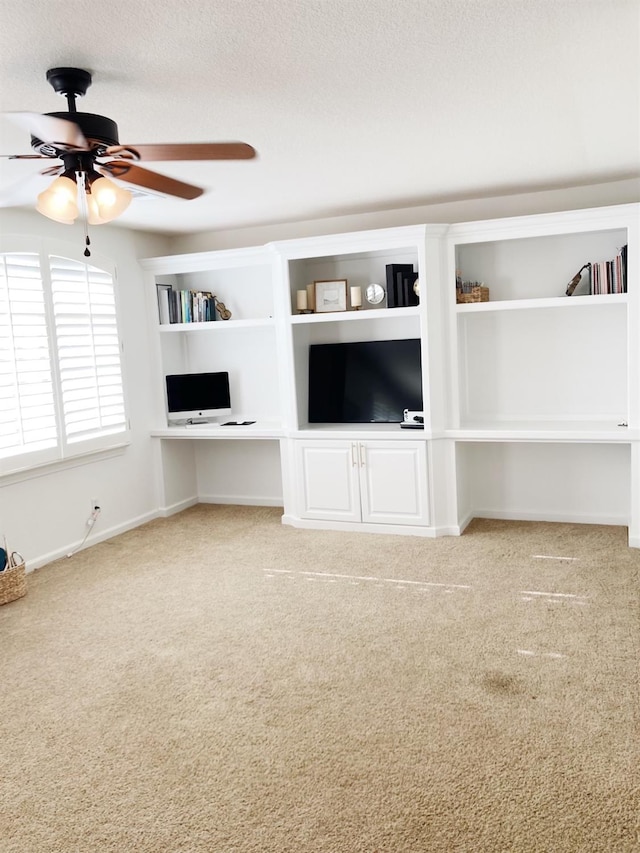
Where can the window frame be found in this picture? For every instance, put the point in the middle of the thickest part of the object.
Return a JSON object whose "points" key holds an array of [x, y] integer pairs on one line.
{"points": [[65, 453]]}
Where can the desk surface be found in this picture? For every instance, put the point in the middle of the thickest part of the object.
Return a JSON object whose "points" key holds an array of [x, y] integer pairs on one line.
{"points": [[260, 429]]}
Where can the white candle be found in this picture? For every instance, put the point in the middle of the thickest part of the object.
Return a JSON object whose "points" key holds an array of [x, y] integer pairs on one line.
{"points": [[301, 300], [356, 296]]}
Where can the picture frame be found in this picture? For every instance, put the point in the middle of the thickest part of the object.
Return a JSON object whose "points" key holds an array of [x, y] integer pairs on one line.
{"points": [[330, 295]]}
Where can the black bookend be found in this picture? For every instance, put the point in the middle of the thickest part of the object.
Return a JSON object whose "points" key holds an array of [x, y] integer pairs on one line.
{"points": [[400, 278]]}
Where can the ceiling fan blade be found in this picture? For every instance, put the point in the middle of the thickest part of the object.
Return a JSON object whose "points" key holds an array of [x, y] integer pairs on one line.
{"points": [[132, 174], [57, 131], [192, 151], [25, 157], [22, 193], [53, 170]]}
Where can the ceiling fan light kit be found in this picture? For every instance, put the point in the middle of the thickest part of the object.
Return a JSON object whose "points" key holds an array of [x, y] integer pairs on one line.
{"points": [[85, 142], [108, 199], [104, 200], [59, 201]]}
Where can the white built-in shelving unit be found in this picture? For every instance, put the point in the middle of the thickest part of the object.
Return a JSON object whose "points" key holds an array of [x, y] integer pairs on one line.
{"points": [[531, 400], [544, 402]]}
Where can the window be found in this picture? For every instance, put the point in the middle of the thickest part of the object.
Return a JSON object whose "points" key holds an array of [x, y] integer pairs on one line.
{"points": [[61, 389]]}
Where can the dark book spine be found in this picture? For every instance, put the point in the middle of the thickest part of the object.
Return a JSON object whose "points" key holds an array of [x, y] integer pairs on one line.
{"points": [[400, 293], [391, 286]]}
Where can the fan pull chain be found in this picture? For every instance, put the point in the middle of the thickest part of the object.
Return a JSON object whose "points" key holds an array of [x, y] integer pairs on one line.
{"points": [[85, 212]]}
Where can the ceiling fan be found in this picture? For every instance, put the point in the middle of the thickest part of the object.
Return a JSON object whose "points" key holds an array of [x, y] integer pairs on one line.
{"points": [[90, 151]]}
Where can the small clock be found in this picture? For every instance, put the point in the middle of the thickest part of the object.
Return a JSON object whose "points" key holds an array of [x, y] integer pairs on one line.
{"points": [[374, 294]]}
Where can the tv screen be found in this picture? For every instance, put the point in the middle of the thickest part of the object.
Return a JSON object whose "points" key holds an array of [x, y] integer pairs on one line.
{"points": [[197, 395], [364, 382]]}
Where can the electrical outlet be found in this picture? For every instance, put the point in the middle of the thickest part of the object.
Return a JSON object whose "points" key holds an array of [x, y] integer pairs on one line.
{"points": [[95, 504]]}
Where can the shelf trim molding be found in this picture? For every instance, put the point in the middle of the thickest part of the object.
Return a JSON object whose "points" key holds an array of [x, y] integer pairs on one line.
{"points": [[218, 325], [545, 302], [208, 261]]}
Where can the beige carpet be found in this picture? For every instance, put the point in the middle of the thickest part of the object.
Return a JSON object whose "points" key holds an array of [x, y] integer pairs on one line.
{"points": [[217, 682]]}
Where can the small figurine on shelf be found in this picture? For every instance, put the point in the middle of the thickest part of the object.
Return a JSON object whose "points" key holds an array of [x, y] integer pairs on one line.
{"points": [[222, 310], [575, 281]]}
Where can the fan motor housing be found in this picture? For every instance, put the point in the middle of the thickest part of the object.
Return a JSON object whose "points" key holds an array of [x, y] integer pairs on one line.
{"points": [[99, 131]]}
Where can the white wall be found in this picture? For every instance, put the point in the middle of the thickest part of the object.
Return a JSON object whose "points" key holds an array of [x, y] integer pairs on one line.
{"points": [[590, 482], [44, 516]]}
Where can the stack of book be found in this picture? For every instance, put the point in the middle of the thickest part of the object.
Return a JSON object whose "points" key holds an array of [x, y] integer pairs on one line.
{"points": [[600, 277], [400, 281], [185, 306], [610, 276]]}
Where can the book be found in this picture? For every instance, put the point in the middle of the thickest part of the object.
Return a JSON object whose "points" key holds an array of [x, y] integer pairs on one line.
{"points": [[163, 303]]}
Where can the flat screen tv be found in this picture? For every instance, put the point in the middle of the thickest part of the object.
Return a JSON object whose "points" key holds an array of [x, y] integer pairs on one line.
{"points": [[365, 381], [197, 396]]}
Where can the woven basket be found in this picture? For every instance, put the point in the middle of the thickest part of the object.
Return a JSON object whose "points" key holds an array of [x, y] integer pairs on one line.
{"points": [[476, 294], [13, 583]]}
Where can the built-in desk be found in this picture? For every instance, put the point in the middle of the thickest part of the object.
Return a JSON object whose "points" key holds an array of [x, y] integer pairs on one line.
{"points": [[220, 464], [259, 430]]}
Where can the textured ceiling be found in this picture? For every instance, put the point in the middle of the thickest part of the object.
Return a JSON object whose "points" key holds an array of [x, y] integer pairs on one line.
{"points": [[352, 105]]}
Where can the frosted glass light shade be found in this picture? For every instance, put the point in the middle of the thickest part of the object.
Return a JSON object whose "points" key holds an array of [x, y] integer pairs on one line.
{"points": [[106, 201], [93, 217], [59, 201]]}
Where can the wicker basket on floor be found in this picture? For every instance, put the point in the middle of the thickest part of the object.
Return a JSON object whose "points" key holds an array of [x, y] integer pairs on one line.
{"points": [[13, 582], [476, 294]]}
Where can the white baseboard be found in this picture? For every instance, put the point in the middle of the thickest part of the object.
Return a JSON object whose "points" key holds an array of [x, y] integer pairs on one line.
{"points": [[449, 530], [359, 527], [238, 500], [561, 517], [172, 509], [465, 522]]}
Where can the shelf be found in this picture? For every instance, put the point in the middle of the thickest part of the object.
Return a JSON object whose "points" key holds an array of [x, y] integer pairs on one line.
{"points": [[571, 431], [217, 325], [357, 316], [543, 302], [359, 430], [259, 430]]}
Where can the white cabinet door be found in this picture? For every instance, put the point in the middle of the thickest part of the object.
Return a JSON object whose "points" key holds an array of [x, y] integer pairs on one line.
{"points": [[328, 480], [382, 482], [393, 482]]}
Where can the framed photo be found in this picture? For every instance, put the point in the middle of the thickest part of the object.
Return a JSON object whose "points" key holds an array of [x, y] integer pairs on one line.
{"points": [[330, 295]]}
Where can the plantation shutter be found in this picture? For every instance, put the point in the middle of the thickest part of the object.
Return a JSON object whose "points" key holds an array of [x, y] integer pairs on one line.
{"points": [[89, 362], [27, 397]]}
